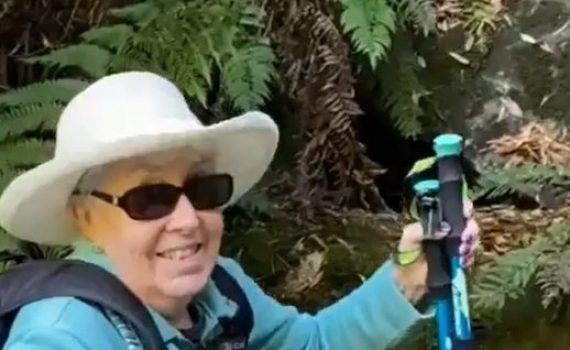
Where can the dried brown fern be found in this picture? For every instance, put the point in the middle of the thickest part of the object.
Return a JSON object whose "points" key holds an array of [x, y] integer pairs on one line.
{"points": [[315, 58], [29, 27]]}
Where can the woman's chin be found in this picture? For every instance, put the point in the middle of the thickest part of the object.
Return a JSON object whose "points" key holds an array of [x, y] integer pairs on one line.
{"points": [[185, 286]]}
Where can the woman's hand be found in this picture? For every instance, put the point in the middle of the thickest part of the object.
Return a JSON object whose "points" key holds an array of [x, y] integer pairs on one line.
{"points": [[412, 278]]}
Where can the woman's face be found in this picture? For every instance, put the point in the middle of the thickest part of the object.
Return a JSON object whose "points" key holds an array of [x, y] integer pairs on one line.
{"points": [[162, 259]]}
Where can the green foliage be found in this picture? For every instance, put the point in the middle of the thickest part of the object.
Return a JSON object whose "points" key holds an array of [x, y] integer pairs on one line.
{"points": [[91, 59], [370, 24], [58, 90], [186, 41], [402, 90], [36, 251], [554, 278], [479, 17], [510, 276], [20, 120], [506, 278], [247, 74], [138, 14], [545, 261], [525, 179], [24, 152], [25, 115], [111, 37], [256, 203], [420, 14]]}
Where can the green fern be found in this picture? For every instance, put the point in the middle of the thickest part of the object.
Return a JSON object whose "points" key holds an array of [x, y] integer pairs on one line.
{"points": [[247, 74], [24, 153], [48, 91], [185, 41], [508, 277], [402, 90], [111, 37], [18, 121], [504, 279], [6, 176], [421, 14], [554, 279], [370, 24], [479, 19], [138, 14], [36, 251], [526, 179], [91, 59]]}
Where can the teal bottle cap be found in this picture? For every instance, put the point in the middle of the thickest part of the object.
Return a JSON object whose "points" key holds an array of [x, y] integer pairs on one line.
{"points": [[426, 186], [448, 145]]}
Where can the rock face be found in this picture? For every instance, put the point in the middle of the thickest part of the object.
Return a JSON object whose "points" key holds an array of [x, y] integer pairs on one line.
{"points": [[523, 77]]}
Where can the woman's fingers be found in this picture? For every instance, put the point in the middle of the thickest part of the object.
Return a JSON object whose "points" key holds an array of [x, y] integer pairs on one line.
{"points": [[467, 208]]}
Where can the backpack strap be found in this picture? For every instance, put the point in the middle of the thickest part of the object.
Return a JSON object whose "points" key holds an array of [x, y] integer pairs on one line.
{"points": [[237, 329], [36, 280]]}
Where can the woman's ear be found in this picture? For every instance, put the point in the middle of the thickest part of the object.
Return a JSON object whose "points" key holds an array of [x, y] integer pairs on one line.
{"points": [[79, 214]]}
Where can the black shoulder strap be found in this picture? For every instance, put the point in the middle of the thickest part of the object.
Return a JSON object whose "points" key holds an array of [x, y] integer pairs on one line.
{"points": [[241, 325], [36, 280]]}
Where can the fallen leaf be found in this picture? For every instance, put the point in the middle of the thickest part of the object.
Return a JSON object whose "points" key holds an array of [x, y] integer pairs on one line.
{"points": [[546, 48], [459, 58], [527, 38], [469, 42], [307, 274], [512, 107], [422, 62]]}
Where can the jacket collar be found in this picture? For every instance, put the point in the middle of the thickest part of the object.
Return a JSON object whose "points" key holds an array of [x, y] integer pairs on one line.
{"points": [[210, 303]]}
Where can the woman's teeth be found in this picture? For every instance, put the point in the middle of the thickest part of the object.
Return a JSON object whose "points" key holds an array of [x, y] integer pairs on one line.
{"points": [[181, 253]]}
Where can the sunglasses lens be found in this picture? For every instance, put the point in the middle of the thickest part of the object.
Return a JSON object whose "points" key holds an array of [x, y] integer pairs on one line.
{"points": [[150, 202], [209, 192]]}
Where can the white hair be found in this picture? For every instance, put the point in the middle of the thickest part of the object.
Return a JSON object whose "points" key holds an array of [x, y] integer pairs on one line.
{"points": [[93, 178]]}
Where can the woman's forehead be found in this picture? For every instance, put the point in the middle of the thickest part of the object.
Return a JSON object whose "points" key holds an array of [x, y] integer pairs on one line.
{"points": [[172, 166]]}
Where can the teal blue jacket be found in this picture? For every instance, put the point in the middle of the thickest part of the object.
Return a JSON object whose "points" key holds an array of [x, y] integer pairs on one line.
{"points": [[375, 316]]}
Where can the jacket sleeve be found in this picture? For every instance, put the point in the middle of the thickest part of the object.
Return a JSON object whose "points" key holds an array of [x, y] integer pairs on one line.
{"points": [[374, 316], [46, 339]]}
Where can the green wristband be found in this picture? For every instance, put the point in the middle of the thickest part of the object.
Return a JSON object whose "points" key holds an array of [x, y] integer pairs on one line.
{"points": [[406, 257]]}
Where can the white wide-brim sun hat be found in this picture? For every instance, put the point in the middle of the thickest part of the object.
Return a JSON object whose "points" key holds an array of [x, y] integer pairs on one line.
{"points": [[120, 116]]}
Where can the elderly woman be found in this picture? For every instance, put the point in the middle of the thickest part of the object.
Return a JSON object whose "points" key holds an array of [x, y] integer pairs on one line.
{"points": [[138, 185]]}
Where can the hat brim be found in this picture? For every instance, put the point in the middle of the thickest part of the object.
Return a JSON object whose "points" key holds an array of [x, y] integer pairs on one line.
{"points": [[33, 206]]}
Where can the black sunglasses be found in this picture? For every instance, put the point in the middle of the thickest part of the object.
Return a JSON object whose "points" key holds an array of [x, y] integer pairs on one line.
{"points": [[154, 201]]}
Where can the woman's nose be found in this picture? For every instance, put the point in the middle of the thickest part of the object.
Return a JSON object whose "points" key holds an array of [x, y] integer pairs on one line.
{"points": [[184, 217]]}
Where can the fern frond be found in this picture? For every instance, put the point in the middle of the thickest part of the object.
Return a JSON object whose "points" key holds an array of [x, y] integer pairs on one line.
{"points": [[7, 242], [7, 174], [479, 19], [184, 42], [370, 24], [110, 37], [24, 153], [256, 202], [247, 75], [27, 118], [421, 14], [525, 179], [91, 59], [48, 91], [402, 89], [508, 277], [139, 14], [554, 278], [252, 16]]}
